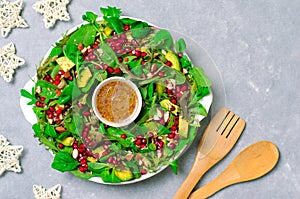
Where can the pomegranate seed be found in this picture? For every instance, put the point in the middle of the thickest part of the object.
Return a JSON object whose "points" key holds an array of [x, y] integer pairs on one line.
{"points": [[180, 55], [105, 153], [144, 171], [176, 122], [174, 101], [168, 63], [107, 142], [38, 103], [138, 142], [92, 56], [80, 47], [178, 89], [144, 141], [84, 134], [97, 67], [172, 146], [140, 137], [51, 108], [169, 91], [124, 136], [61, 146], [92, 143], [143, 62], [115, 162], [50, 116], [57, 82], [86, 113], [57, 77], [51, 80], [80, 105], [87, 58], [84, 161], [42, 98], [162, 122], [83, 169], [143, 146], [70, 78], [161, 74], [120, 59], [61, 72], [179, 95], [143, 54], [58, 111], [183, 88], [81, 150], [117, 71], [138, 53], [174, 128], [176, 137], [171, 135], [95, 46], [110, 159], [126, 27], [110, 70], [172, 108]]}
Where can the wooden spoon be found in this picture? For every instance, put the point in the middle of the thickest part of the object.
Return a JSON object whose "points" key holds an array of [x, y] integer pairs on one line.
{"points": [[253, 162]]}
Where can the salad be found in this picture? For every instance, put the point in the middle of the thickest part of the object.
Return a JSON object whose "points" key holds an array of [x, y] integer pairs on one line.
{"points": [[170, 86]]}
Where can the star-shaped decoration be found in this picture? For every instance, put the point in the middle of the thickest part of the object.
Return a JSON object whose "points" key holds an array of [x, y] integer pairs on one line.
{"points": [[52, 10], [9, 156], [9, 61], [52, 193], [10, 16]]}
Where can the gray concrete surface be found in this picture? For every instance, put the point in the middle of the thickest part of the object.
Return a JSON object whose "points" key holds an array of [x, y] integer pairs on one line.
{"points": [[255, 45]]}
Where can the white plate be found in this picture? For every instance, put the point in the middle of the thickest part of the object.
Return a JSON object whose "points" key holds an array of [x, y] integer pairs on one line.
{"points": [[196, 53]]}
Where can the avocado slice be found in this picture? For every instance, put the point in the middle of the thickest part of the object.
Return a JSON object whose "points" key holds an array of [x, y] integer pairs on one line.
{"points": [[167, 104], [124, 175], [65, 63], [84, 77], [183, 128], [171, 57]]}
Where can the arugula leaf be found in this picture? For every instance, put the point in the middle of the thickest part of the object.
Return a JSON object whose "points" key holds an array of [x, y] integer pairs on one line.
{"points": [[111, 12], [180, 45], [64, 162], [28, 95], [163, 39], [90, 17], [112, 16], [39, 112], [174, 166]]}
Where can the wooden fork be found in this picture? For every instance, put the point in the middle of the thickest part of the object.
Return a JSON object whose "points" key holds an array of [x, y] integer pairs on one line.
{"points": [[218, 139]]}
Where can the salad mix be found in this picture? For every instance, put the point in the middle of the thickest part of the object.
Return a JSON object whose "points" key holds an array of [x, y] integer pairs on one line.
{"points": [[170, 85]]}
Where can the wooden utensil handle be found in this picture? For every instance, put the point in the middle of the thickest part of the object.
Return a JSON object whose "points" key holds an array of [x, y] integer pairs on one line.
{"points": [[198, 170], [226, 178]]}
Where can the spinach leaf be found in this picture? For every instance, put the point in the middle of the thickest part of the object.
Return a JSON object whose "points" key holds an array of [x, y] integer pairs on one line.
{"points": [[141, 30], [50, 131], [108, 56], [163, 39], [180, 45], [199, 76], [85, 34], [64, 162], [56, 52], [111, 12], [97, 166]]}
